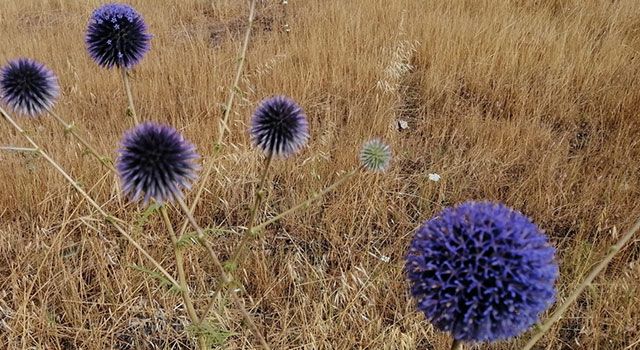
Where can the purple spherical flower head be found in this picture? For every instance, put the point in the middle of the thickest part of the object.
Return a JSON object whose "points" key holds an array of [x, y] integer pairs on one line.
{"points": [[155, 161], [481, 271], [279, 126], [117, 36], [28, 87]]}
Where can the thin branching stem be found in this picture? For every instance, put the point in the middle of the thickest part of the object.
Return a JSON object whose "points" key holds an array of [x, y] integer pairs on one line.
{"points": [[112, 220], [615, 249], [71, 128], [19, 149], [226, 278], [127, 87], [306, 203], [241, 249], [225, 119], [182, 277]]}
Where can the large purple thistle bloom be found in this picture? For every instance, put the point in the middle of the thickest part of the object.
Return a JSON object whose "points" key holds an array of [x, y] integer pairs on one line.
{"points": [[117, 36], [279, 126], [481, 271], [155, 161], [28, 87]]}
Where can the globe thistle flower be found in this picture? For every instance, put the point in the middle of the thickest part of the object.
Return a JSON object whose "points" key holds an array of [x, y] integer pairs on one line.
{"points": [[28, 87], [375, 155], [155, 161], [279, 126], [481, 271], [117, 36]]}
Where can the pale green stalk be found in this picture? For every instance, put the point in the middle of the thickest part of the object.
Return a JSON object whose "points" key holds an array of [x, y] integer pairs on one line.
{"points": [[71, 128], [18, 149], [306, 203], [225, 119], [615, 249], [182, 277], [241, 249], [226, 278], [127, 87], [112, 220]]}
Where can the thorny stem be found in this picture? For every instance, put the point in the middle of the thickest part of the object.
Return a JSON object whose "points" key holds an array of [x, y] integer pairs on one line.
{"points": [[306, 203], [112, 220], [241, 249], [127, 87], [227, 112], [615, 249], [72, 130], [456, 345], [182, 278], [226, 278]]}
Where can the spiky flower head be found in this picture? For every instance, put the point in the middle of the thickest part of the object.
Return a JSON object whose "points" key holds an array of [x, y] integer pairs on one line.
{"points": [[155, 161], [481, 271], [117, 36], [279, 126], [28, 87], [375, 155]]}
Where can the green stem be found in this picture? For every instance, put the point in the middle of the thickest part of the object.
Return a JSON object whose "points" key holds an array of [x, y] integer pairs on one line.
{"points": [[182, 277], [226, 278], [225, 119], [241, 249], [18, 149], [306, 203], [615, 249], [71, 129], [96, 206], [127, 88]]}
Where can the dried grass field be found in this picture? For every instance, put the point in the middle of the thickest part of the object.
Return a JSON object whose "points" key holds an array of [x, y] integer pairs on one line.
{"points": [[533, 103]]}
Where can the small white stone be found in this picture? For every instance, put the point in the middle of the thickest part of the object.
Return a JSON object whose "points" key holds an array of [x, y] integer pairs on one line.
{"points": [[403, 124], [434, 177]]}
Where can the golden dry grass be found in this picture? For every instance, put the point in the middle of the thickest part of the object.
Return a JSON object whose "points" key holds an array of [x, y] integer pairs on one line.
{"points": [[534, 103]]}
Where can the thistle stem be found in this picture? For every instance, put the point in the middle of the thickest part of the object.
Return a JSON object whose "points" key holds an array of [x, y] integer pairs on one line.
{"points": [[72, 130], [227, 112], [456, 345], [241, 249], [615, 249], [226, 278], [306, 203], [18, 149], [182, 278], [112, 220], [127, 88]]}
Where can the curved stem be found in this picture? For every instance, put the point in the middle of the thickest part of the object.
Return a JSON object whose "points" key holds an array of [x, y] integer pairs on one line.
{"points": [[226, 278], [306, 203], [112, 220], [127, 87], [615, 249], [182, 277], [225, 119], [456, 345], [72, 130], [241, 249]]}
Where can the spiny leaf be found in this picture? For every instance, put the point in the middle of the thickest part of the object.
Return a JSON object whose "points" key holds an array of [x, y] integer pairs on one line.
{"points": [[144, 216], [191, 238], [158, 276], [214, 335], [187, 240]]}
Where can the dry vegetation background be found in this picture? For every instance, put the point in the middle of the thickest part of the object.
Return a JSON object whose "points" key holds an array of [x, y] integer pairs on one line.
{"points": [[534, 103]]}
